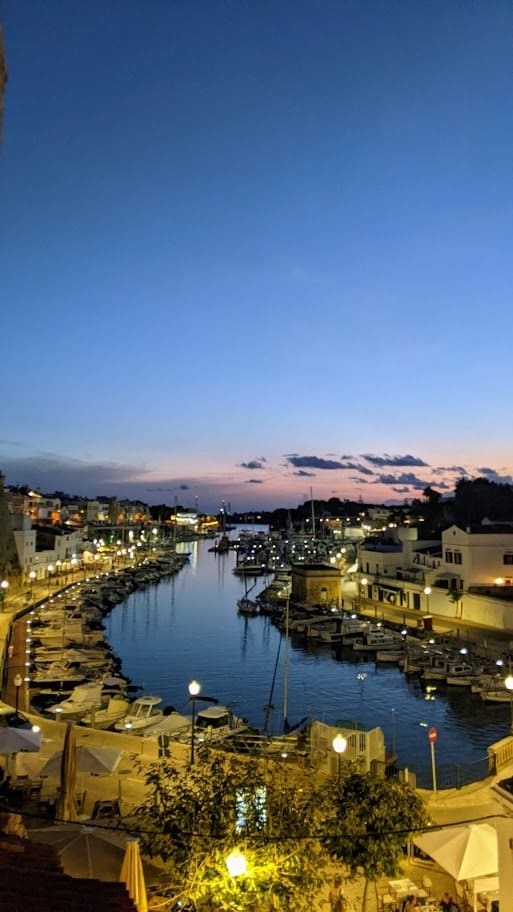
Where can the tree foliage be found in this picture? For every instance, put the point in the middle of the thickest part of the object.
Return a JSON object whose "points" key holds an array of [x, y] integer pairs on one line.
{"points": [[194, 817], [370, 825], [287, 822]]}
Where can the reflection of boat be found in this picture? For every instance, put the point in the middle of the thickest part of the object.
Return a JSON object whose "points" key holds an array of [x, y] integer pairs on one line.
{"points": [[144, 711]]}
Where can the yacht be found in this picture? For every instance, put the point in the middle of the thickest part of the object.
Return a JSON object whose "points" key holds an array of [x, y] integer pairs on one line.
{"points": [[106, 717], [84, 698], [143, 712]]}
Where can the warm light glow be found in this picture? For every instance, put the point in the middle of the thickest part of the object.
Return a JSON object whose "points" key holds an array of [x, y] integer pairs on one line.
{"points": [[499, 581], [364, 581], [236, 863], [194, 688], [339, 744], [427, 590], [4, 584], [509, 682]]}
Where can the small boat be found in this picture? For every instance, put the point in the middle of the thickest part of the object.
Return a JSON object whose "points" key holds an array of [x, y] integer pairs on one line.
{"points": [[496, 696], [389, 655], [461, 674], [81, 701], [143, 712], [246, 605], [374, 640], [103, 719], [218, 722]]}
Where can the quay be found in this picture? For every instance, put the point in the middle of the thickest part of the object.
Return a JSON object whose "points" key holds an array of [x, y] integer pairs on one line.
{"points": [[125, 788]]}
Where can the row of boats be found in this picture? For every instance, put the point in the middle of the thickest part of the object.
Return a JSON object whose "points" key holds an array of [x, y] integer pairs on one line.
{"points": [[75, 676], [415, 651], [73, 673], [433, 659]]}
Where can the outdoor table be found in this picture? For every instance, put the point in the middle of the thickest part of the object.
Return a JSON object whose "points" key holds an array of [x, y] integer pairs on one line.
{"points": [[403, 888]]}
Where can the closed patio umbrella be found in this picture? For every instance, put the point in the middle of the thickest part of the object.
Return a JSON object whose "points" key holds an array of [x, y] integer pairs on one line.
{"points": [[67, 803], [133, 876]]}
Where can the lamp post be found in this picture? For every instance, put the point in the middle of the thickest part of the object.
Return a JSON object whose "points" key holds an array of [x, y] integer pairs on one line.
{"points": [[339, 745], [50, 568], [427, 593], [509, 686], [4, 585], [363, 583], [32, 576], [18, 681], [194, 690], [236, 863]]}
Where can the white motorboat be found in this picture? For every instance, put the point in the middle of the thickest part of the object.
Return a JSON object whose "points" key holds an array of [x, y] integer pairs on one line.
{"points": [[83, 699], [461, 674], [216, 723], [103, 719], [143, 712], [374, 640]]}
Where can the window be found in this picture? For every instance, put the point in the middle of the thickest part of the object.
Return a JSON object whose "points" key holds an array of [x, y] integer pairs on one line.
{"points": [[448, 557], [507, 559], [457, 557]]}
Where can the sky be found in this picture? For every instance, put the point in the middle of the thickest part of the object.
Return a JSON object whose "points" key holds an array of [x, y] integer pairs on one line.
{"points": [[254, 251]]}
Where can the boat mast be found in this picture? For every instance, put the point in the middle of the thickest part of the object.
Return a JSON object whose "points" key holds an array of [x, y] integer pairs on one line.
{"points": [[313, 514], [286, 669]]}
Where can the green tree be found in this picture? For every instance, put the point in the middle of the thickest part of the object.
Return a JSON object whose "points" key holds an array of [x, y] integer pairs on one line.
{"points": [[370, 823], [195, 817]]}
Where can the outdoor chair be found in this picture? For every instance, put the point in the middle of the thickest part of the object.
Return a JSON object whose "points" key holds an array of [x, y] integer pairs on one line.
{"points": [[427, 884], [386, 902], [106, 810]]}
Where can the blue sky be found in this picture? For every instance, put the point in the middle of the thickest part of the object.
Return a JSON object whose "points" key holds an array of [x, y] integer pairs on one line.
{"points": [[245, 244]]}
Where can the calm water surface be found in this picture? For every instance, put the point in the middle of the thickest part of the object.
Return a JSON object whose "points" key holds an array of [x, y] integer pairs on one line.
{"points": [[188, 627]]}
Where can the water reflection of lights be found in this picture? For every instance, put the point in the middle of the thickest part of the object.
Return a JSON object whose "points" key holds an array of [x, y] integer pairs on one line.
{"points": [[430, 692]]}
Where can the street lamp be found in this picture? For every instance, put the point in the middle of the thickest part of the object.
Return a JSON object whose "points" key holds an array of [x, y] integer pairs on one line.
{"points": [[339, 745], [509, 686], [236, 863], [18, 681], [4, 585], [32, 576], [427, 593], [194, 690], [363, 583]]}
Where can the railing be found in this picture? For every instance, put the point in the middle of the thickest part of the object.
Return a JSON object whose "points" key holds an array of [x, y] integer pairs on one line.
{"points": [[453, 775]]}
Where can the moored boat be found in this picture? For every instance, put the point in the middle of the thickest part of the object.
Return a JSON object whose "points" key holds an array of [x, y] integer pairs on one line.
{"points": [[143, 712]]}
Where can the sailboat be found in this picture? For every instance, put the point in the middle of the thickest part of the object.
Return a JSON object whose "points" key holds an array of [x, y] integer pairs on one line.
{"points": [[287, 727], [246, 605]]}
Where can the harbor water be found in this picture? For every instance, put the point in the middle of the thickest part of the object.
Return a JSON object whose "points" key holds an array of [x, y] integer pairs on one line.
{"points": [[188, 627]]}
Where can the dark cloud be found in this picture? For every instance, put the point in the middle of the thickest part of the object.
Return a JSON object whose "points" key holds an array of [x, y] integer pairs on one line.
{"points": [[254, 481], [493, 475], [442, 470], [386, 460], [302, 474], [401, 490], [405, 478], [184, 487], [358, 467], [253, 464], [313, 462], [49, 473]]}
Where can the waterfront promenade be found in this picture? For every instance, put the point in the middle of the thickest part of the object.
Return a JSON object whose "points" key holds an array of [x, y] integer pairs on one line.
{"points": [[126, 784]]}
